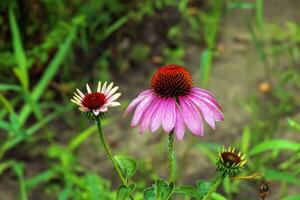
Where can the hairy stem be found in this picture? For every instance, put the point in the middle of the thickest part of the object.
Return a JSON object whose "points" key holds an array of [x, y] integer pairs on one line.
{"points": [[171, 157], [214, 187], [109, 152]]}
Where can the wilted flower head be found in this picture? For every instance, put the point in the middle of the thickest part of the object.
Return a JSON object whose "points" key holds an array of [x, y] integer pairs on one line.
{"points": [[229, 162], [173, 103], [97, 102]]}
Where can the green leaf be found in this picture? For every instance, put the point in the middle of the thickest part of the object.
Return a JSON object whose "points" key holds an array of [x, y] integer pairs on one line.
{"points": [[188, 190], [274, 145], [246, 138], [292, 123], [240, 5], [281, 176], [149, 193], [19, 170], [124, 192], [160, 191], [205, 66], [20, 56], [292, 197], [127, 165], [217, 196], [93, 186], [259, 8], [163, 190], [40, 178], [6, 165], [48, 74], [203, 187]]}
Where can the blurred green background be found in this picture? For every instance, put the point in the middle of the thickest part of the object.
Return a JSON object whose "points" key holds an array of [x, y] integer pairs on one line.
{"points": [[246, 52]]}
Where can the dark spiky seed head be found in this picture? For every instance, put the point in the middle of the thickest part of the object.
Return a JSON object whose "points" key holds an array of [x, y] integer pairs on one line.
{"points": [[171, 81]]}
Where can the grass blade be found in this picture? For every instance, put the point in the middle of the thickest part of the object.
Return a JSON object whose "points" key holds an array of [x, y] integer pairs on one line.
{"points": [[21, 59], [274, 145], [48, 74], [281, 176], [113, 28], [20, 55], [19, 170], [205, 66], [259, 15]]}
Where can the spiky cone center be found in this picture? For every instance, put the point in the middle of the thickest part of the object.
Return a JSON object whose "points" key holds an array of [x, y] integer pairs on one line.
{"points": [[172, 81], [230, 163], [94, 100], [230, 158]]}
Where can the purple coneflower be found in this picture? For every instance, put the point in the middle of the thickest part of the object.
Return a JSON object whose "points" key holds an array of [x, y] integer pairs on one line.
{"points": [[173, 103], [97, 102]]}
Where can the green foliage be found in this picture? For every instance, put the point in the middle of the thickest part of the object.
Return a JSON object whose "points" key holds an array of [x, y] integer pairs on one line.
{"points": [[203, 187], [124, 192], [127, 165], [48, 48], [160, 191]]}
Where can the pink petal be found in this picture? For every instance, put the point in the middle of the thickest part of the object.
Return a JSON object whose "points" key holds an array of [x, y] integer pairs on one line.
{"points": [[179, 124], [205, 94], [206, 112], [169, 115], [202, 91], [143, 105], [157, 115], [191, 116], [147, 116], [217, 114], [137, 100]]}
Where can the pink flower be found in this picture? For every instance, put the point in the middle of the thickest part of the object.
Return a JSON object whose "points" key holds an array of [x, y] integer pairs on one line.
{"points": [[174, 103], [97, 102]]}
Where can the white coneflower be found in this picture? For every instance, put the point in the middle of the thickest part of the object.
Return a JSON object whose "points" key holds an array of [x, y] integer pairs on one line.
{"points": [[97, 102]]}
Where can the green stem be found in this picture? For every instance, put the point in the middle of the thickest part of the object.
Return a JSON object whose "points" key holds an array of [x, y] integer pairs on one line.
{"points": [[214, 187], [171, 157], [108, 151]]}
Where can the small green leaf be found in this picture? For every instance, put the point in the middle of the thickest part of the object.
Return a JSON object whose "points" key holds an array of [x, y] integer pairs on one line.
{"points": [[278, 144], [188, 190], [160, 191], [282, 176], [203, 187], [246, 138], [292, 123], [217, 196], [292, 197], [127, 165], [163, 190], [124, 191], [149, 193]]}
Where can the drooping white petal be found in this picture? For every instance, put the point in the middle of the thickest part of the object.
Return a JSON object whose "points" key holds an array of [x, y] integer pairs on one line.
{"points": [[103, 109], [88, 88], [103, 87], [80, 93], [99, 86], [114, 104], [84, 109], [108, 88], [112, 91], [77, 99], [96, 112], [76, 95], [114, 97], [74, 101]]}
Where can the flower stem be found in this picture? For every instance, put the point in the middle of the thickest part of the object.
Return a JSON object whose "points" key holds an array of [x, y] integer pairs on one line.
{"points": [[108, 151], [214, 187], [171, 157]]}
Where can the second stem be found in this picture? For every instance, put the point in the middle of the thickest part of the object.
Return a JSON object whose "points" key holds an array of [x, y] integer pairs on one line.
{"points": [[171, 157]]}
